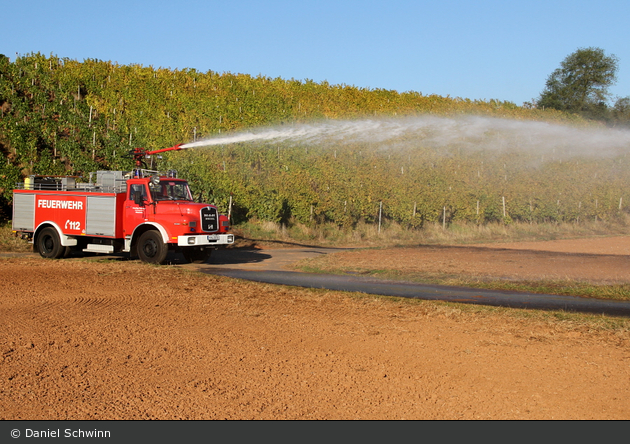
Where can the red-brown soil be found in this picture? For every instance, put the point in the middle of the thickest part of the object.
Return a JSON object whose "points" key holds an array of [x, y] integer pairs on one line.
{"points": [[123, 340]]}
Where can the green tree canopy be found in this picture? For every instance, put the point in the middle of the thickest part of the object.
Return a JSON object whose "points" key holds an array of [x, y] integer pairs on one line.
{"points": [[621, 110], [581, 83]]}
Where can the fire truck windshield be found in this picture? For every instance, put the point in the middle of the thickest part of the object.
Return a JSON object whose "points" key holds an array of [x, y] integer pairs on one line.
{"points": [[170, 190]]}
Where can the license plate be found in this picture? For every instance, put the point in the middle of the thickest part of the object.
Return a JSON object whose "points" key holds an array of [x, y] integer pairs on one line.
{"points": [[213, 237]]}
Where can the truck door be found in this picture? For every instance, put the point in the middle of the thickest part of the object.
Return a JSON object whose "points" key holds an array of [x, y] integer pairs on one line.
{"points": [[136, 207]]}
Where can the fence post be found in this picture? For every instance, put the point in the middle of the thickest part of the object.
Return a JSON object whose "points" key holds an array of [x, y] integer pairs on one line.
{"points": [[380, 214], [444, 218], [230, 210]]}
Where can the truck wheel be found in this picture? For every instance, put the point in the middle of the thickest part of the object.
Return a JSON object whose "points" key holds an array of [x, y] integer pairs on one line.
{"points": [[196, 255], [49, 244], [151, 249]]}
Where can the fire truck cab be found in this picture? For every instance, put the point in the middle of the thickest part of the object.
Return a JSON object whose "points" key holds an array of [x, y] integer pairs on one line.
{"points": [[141, 213]]}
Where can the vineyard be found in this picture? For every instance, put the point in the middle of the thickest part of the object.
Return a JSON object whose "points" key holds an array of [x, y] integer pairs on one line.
{"points": [[411, 159]]}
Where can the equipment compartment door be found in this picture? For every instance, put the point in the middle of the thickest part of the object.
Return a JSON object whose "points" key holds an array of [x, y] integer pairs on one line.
{"points": [[101, 216], [23, 212]]}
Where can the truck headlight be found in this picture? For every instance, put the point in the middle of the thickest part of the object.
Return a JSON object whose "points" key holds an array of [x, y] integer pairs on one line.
{"points": [[191, 241]]}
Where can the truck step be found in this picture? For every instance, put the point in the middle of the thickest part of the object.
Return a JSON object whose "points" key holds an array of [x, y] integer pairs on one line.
{"points": [[98, 248]]}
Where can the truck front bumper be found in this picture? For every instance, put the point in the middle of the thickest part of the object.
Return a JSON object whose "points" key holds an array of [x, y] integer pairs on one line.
{"points": [[201, 240]]}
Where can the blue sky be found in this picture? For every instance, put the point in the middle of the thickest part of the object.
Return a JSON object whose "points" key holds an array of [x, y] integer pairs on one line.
{"points": [[485, 49]]}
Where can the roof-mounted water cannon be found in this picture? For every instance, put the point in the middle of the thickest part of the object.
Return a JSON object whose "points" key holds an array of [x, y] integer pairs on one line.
{"points": [[139, 154]]}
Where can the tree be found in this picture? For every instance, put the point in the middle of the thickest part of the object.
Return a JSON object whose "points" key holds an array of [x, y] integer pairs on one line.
{"points": [[621, 111], [581, 83]]}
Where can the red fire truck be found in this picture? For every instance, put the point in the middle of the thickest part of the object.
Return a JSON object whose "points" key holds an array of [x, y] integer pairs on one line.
{"points": [[140, 212]]}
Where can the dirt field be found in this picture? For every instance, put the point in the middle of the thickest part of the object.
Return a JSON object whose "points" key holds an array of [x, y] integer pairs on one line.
{"points": [[123, 340]]}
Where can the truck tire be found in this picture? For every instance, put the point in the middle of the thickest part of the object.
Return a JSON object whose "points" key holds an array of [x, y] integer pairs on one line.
{"points": [[196, 255], [151, 249], [49, 244]]}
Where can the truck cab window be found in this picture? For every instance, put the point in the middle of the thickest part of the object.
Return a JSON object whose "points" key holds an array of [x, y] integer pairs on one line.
{"points": [[171, 190]]}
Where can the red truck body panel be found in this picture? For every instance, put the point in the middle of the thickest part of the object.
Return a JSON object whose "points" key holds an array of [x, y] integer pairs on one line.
{"points": [[75, 213]]}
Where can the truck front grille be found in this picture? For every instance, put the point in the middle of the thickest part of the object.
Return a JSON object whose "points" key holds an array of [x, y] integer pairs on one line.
{"points": [[209, 219]]}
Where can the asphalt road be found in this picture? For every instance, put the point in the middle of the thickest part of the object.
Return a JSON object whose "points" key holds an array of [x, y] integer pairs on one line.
{"points": [[268, 266]]}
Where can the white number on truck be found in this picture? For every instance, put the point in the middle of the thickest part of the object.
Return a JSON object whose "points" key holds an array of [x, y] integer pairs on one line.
{"points": [[72, 225]]}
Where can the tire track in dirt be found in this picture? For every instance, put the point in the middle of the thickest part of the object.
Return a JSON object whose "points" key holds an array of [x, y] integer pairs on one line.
{"points": [[94, 305], [46, 297]]}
